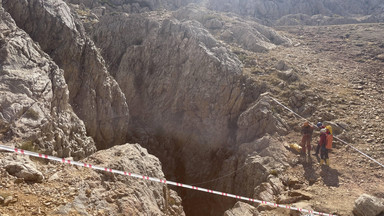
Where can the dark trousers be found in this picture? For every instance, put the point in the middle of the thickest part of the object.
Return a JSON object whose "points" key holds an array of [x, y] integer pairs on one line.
{"points": [[317, 149], [306, 143], [324, 153]]}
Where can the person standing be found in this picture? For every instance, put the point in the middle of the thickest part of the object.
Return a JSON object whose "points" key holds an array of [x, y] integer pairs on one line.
{"points": [[306, 131], [329, 140], [319, 126], [322, 144]]}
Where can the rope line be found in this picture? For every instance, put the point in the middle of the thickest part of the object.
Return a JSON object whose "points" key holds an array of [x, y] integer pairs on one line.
{"points": [[164, 181], [354, 148]]}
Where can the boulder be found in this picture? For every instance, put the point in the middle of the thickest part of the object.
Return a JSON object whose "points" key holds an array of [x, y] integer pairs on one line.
{"points": [[367, 205], [22, 167], [242, 209]]}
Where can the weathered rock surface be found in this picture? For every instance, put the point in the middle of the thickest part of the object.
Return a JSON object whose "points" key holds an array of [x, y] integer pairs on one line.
{"points": [[133, 6], [179, 81], [259, 120], [247, 34], [254, 163], [242, 209], [22, 167], [135, 196], [84, 191], [93, 93], [367, 205], [34, 97], [185, 90], [268, 11]]}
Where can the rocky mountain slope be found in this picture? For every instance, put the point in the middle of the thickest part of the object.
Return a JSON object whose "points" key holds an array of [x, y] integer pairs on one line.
{"points": [[313, 12], [189, 86]]}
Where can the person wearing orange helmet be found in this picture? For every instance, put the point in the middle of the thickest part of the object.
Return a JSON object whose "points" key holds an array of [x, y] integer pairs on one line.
{"points": [[306, 131]]}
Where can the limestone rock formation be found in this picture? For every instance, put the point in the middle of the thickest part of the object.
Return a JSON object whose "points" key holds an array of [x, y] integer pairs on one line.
{"points": [[255, 163], [179, 81], [185, 90], [93, 93], [269, 11], [242, 209], [247, 34], [367, 205], [128, 6], [34, 97], [133, 196], [83, 191], [259, 120]]}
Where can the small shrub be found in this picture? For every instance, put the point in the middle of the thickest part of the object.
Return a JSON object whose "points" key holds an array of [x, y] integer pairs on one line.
{"points": [[28, 145]]}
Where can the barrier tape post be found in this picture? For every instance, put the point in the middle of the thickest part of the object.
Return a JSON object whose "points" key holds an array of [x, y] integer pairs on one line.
{"points": [[164, 181], [354, 148]]}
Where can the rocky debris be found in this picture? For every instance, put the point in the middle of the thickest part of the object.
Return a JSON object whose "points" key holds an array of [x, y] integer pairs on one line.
{"points": [[242, 209], [247, 34], [282, 66], [34, 102], [367, 205], [288, 75], [94, 95]]}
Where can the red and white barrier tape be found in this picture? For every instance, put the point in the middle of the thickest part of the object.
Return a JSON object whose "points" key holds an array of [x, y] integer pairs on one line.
{"points": [[354, 148], [164, 181]]}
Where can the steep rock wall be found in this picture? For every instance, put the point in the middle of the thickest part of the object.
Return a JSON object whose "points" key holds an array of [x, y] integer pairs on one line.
{"points": [[178, 80], [93, 93], [34, 97], [186, 93]]}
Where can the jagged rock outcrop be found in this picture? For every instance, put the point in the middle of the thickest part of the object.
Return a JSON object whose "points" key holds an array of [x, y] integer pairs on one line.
{"points": [[259, 120], [93, 93], [134, 196], [34, 97], [254, 163], [247, 34], [269, 11], [83, 191]]}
